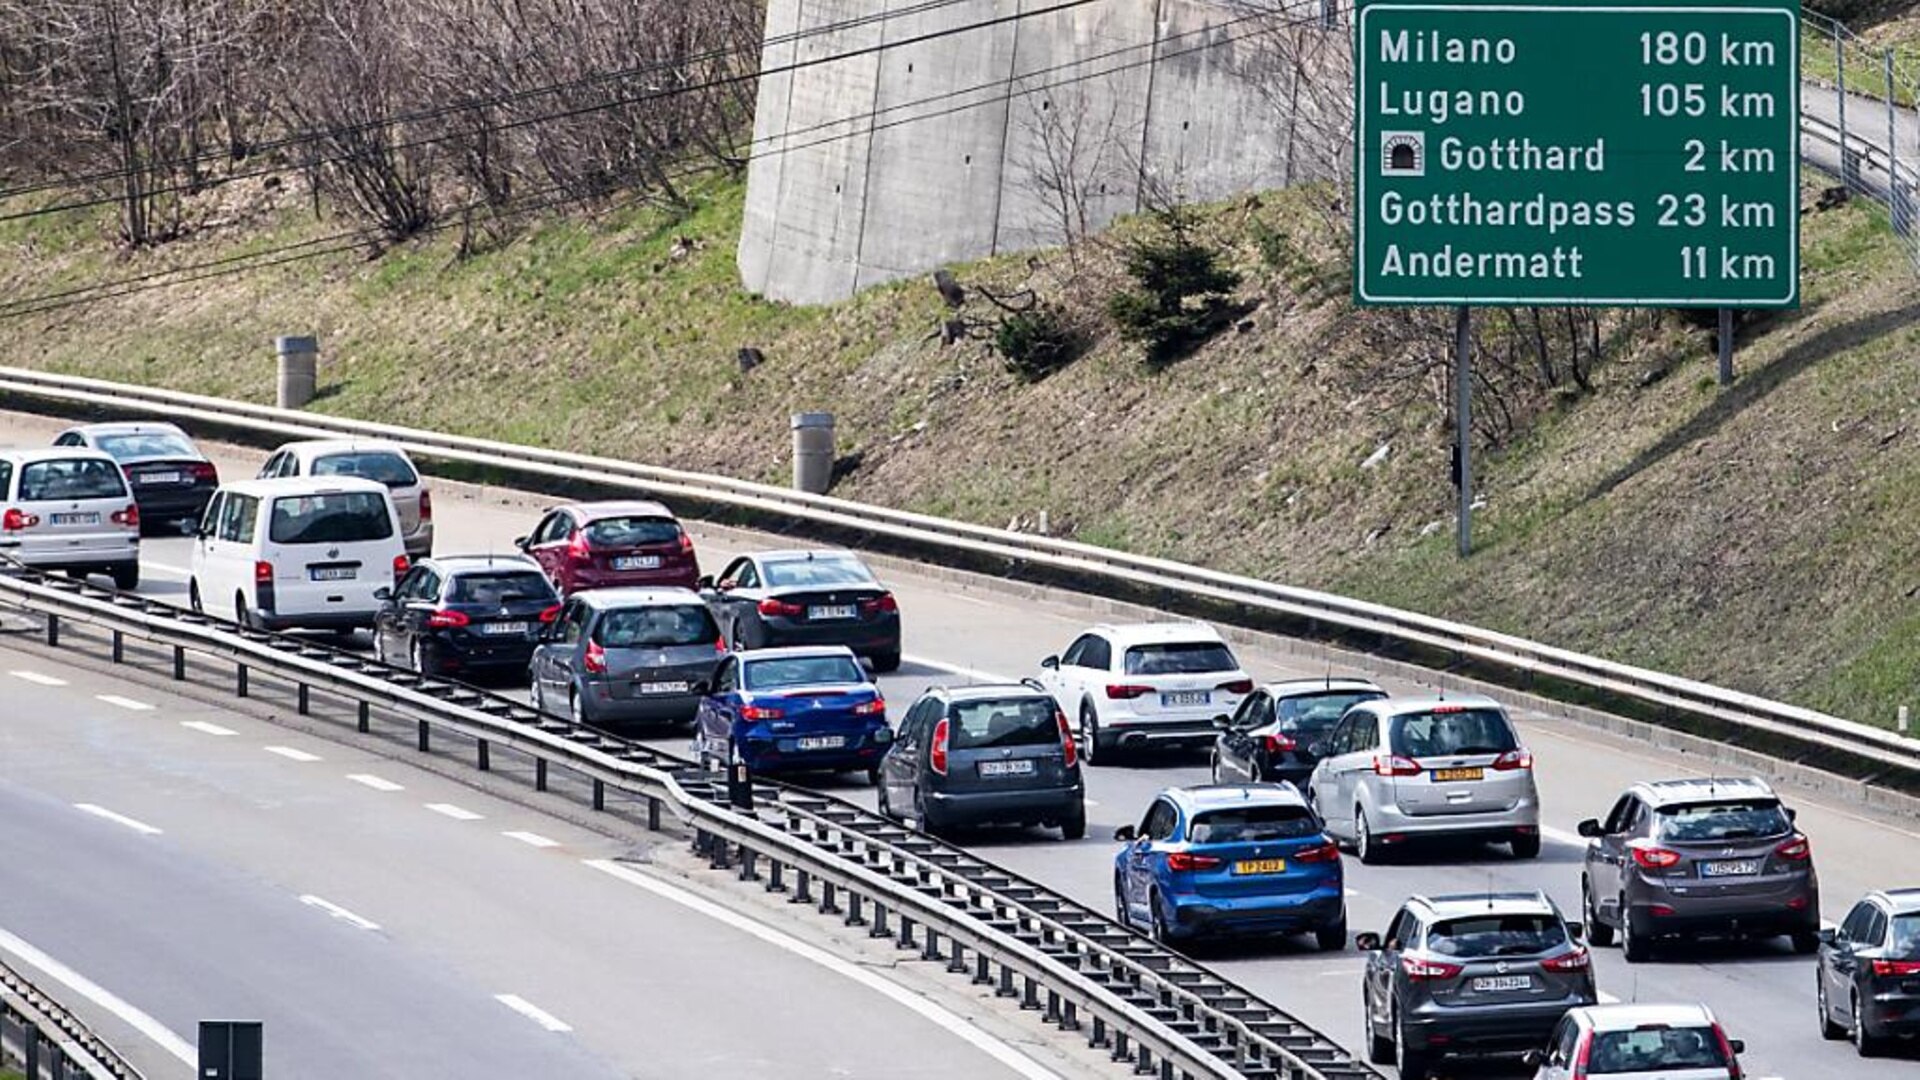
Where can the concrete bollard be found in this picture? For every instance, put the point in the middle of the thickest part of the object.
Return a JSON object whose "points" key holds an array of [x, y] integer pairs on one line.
{"points": [[813, 452], [1901, 720], [299, 368]]}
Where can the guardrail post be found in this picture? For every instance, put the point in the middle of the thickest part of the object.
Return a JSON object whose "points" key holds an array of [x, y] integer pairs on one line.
{"points": [[1895, 204], [775, 873], [599, 794], [485, 763], [828, 905], [32, 1040], [854, 917], [302, 703], [879, 929], [119, 646], [179, 663], [240, 681], [1029, 994], [653, 813], [1122, 1047], [424, 735], [1096, 1034], [905, 940], [802, 887], [365, 719], [53, 629], [748, 870], [1849, 165], [539, 774]]}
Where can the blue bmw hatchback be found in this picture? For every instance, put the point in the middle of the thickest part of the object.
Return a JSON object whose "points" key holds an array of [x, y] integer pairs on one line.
{"points": [[809, 709], [1230, 859]]}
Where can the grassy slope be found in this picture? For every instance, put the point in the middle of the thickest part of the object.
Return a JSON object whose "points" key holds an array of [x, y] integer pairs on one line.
{"points": [[1757, 537]]}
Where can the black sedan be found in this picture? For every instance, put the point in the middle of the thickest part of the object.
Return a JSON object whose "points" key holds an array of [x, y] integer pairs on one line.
{"points": [[1268, 737], [806, 598], [1869, 972], [171, 480], [465, 613]]}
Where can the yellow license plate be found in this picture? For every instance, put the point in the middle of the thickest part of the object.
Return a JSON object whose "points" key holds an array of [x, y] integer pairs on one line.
{"points": [[1474, 773], [1260, 866]]}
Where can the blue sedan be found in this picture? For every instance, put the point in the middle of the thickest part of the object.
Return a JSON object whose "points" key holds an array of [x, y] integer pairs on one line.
{"points": [[793, 710], [1230, 859]]}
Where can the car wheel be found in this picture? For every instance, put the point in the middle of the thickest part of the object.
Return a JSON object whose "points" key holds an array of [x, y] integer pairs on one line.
{"points": [[885, 804], [1089, 735], [241, 613], [1363, 843], [1525, 845], [886, 662], [1213, 765], [1333, 936], [1805, 942], [1120, 913], [576, 711], [1634, 947], [1828, 1029], [126, 576], [1598, 933], [737, 641], [1411, 1063], [1157, 923], [921, 819], [873, 777], [1074, 825], [1865, 1043], [420, 657], [1379, 1048], [193, 597]]}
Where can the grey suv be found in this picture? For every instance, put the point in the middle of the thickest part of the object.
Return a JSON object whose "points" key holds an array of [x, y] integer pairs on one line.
{"points": [[1716, 856], [1474, 974], [981, 755]]}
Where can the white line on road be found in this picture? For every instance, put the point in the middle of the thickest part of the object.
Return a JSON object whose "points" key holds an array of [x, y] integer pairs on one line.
{"points": [[339, 912], [1562, 836], [94, 992], [166, 570], [291, 754], [455, 812], [375, 782], [38, 679], [533, 1012], [955, 669], [124, 702], [1608, 999], [954, 1024], [535, 839], [140, 827], [207, 727]]}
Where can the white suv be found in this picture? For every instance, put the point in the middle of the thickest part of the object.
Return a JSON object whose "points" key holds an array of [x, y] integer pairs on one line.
{"points": [[1146, 684]]}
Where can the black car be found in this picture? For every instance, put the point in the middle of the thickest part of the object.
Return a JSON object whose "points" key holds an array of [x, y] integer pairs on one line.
{"points": [[462, 613], [171, 480], [985, 755], [776, 598], [1869, 972], [1267, 737]]}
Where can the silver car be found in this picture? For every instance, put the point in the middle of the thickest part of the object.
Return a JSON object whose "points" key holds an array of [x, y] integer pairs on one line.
{"points": [[373, 459], [68, 508], [1397, 770]]}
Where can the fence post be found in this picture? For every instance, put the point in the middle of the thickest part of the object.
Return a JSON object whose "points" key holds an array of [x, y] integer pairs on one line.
{"points": [[1848, 167], [1896, 208]]}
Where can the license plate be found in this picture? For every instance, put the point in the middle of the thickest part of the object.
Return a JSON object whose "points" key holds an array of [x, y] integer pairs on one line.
{"points": [[821, 742], [334, 573], [74, 519], [1186, 697], [1503, 982], [663, 687], [160, 478], [1260, 866], [636, 562], [1022, 767], [831, 611], [501, 628], [1474, 773], [1731, 868]]}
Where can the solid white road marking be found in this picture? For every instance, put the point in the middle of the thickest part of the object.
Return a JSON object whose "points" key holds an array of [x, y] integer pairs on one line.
{"points": [[291, 754], [166, 569], [1562, 836], [339, 912], [207, 727], [146, 1025], [1608, 999], [124, 702], [375, 782], [140, 827], [955, 669], [533, 1012], [954, 1024], [535, 839], [452, 811], [38, 679]]}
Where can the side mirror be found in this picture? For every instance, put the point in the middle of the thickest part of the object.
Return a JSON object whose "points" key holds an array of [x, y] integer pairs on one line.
{"points": [[1220, 723], [1590, 827], [1050, 662], [520, 542], [1829, 936], [702, 687], [1533, 1059], [883, 736], [383, 594], [1738, 1046], [1124, 832], [1367, 942], [1576, 930], [1318, 749], [1792, 814], [703, 582]]}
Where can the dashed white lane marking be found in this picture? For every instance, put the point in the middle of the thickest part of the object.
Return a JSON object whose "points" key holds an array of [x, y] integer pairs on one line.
{"points": [[533, 839], [952, 1023], [207, 727], [339, 912], [124, 702], [533, 1012], [375, 782], [291, 754], [955, 669], [38, 679], [140, 827], [162, 1035], [455, 812]]}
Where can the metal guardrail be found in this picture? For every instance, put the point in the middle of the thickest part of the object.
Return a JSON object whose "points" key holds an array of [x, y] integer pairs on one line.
{"points": [[1081, 971], [1876, 751], [49, 1042]]}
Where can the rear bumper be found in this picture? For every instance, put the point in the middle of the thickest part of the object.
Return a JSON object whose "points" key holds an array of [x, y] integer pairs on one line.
{"points": [[94, 551], [1766, 916], [191, 502], [1523, 818], [1137, 734], [1892, 1012], [316, 620], [866, 638], [576, 579], [783, 756], [1045, 806], [517, 654], [1485, 1029], [603, 708], [1275, 914], [420, 541]]}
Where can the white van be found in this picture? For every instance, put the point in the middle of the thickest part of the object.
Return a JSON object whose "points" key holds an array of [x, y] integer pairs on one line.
{"points": [[297, 553], [68, 508]]}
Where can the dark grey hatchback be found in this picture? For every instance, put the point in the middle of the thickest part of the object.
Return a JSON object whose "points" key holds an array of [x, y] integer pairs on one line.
{"points": [[984, 755], [627, 656]]}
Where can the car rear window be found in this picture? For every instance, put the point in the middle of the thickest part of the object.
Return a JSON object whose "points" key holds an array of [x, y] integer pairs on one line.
{"points": [[70, 478], [979, 725], [340, 517], [1251, 824], [1740, 820], [1512, 934], [1179, 658], [657, 627], [1654, 1049], [816, 572], [1444, 733], [1906, 938], [499, 587], [632, 531], [1312, 712], [380, 466], [160, 444], [776, 674]]}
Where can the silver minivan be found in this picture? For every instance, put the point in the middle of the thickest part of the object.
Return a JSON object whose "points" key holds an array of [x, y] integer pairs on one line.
{"points": [[1393, 771], [68, 508]]}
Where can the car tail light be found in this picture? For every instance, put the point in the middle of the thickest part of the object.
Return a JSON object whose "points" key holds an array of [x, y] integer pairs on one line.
{"points": [[15, 520], [262, 572], [1279, 744], [937, 753], [1795, 850], [1126, 691], [761, 712], [1896, 967], [1237, 686], [1395, 765], [1327, 852], [771, 606], [548, 615], [1421, 969], [879, 604], [1514, 759], [1726, 1050], [1187, 860], [719, 645], [400, 565], [1577, 960], [596, 658], [577, 545], [204, 470], [1583, 1056], [1661, 911], [869, 708], [129, 517], [447, 620], [1070, 751], [686, 543], [426, 505], [1655, 858]]}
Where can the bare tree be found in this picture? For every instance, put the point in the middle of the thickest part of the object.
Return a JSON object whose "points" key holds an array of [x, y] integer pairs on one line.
{"points": [[1070, 158]]}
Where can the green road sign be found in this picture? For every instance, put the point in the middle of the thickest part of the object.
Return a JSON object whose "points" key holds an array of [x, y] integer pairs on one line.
{"points": [[1577, 154]]}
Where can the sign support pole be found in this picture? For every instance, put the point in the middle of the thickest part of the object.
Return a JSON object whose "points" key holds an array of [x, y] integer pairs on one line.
{"points": [[1726, 346], [1463, 419]]}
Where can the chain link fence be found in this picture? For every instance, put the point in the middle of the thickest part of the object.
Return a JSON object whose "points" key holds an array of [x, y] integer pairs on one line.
{"points": [[1859, 119]]}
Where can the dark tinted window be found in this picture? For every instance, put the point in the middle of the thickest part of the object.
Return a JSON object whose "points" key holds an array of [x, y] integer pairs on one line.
{"points": [[6, 478], [1250, 824], [70, 478], [1496, 935], [1179, 658], [1316, 712], [1654, 1048], [977, 725], [1723, 820], [380, 466], [773, 674], [341, 517], [1906, 938], [1452, 731], [657, 627], [817, 572], [632, 531], [157, 444], [499, 587]]}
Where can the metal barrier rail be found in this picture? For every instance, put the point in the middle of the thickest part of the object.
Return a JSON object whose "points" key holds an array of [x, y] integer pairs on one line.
{"points": [[1877, 750], [50, 1042], [1144, 1003]]}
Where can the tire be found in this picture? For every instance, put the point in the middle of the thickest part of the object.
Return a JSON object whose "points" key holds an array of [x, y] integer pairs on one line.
{"points": [[886, 662], [1120, 913], [242, 614], [1634, 947], [873, 777], [1363, 845], [1333, 936], [420, 657], [1828, 1029], [1805, 942], [1213, 765], [575, 710], [126, 576], [923, 820], [1379, 1048], [1412, 1063], [885, 805], [1074, 825], [1089, 736], [1598, 933], [1157, 923], [737, 640], [1864, 1043], [193, 597], [1525, 846]]}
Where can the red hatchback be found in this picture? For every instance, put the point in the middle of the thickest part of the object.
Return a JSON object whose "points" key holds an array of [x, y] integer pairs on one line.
{"points": [[607, 544]]}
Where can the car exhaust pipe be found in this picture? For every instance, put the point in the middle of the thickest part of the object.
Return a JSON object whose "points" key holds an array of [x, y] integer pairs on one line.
{"points": [[1133, 739]]}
